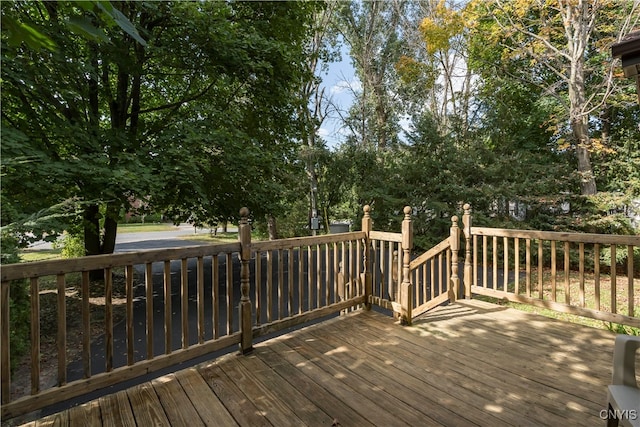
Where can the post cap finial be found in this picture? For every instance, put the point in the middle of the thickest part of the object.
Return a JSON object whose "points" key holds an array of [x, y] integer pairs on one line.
{"points": [[466, 207], [244, 212], [454, 219], [407, 210], [366, 209]]}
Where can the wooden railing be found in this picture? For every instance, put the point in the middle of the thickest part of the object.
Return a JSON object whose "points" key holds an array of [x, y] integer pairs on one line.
{"points": [[431, 278], [196, 317], [189, 310], [298, 280], [555, 270], [282, 283]]}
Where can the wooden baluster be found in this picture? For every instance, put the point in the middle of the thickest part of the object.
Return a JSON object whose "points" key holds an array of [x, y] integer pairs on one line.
{"points": [[108, 318], [168, 331], [440, 273], [505, 264], [596, 274], [466, 224], [454, 243], [327, 274], [359, 273], [280, 284], [581, 270], [432, 284], [62, 330], [35, 335], [215, 291], [301, 278], [425, 284], [614, 291], [128, 274], [148, 284], [86, 325], [495, 263], [244, 235], [540, 269], [318, 276], [184, 301], [567, 270], [516, 265], [258, 265], [447, 277], [200, 299], [5, 360], [553, 271], [353, 273], [336, 273], [630, 293], [528, 268], [393, 279], [475, 260], [290, 280], [341, 282], [310, 292], [406, 290], [229, 284], [381, 271], [485, 261]]}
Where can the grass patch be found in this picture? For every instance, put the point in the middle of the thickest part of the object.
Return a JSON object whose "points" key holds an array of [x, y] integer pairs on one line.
{"points": [[143, 228], [229, 237], [30, 255], [581, 293]]}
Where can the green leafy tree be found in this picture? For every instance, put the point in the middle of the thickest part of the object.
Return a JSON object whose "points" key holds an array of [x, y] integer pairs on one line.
{"points": [[191, 109], [560, 46]]}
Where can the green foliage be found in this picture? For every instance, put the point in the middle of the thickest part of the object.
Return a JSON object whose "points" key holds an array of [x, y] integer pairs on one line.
{"points": [[196, 115], [9, 247], [19, 302], [70, 245], [622, 255]]}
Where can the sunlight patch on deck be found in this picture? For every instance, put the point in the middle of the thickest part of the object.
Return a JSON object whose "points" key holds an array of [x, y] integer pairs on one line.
{"points": [[493, 408]]}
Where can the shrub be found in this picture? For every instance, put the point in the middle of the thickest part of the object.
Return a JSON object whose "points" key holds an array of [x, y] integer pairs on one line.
{"points": [[19, 302], [71, 245]]}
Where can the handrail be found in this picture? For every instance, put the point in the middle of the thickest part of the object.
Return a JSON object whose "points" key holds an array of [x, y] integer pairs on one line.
{"points": [[330, 279], [556, 270], [98, 262], [445, 244], [606, 239], [213, 331], [385, 236], [431, 278], [306, 241]]}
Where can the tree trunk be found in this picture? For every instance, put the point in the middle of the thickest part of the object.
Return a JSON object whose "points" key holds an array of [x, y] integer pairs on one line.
{"points": [[580, 130], [271, 225], [91, 225], [110, 229], [578, 102]]}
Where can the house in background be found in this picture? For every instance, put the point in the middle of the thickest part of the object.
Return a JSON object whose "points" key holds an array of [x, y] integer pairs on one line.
{"points": [[628, 50]]}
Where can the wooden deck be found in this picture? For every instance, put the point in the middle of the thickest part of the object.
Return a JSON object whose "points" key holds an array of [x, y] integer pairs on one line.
{"points": [[470, 363]]}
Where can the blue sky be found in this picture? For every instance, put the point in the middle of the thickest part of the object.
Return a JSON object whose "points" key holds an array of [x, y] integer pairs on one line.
{"points": [[340, 81]]}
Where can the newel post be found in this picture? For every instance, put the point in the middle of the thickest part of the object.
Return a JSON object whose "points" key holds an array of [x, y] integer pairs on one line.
{"points": [[366, 277], [454, 243], [466, 227], [244, 235], [406, 289]]}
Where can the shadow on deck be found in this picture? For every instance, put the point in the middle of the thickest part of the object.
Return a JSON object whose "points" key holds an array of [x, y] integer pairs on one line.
{"points": [[468, 363]]}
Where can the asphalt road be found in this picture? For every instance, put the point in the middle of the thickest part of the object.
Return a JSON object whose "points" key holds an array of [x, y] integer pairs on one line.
{"points": [[127, 242]]}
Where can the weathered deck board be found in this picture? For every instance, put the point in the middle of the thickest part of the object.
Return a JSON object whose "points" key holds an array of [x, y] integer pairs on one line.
{"points": [[470, 363]]}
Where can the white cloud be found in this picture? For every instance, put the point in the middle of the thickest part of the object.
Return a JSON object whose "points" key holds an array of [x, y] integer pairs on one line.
{"points": [[343, 86]]}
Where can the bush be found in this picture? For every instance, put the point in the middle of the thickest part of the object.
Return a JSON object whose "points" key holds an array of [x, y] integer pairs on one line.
{"points": [[19, 302], [71, 245], [621, 258]]}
